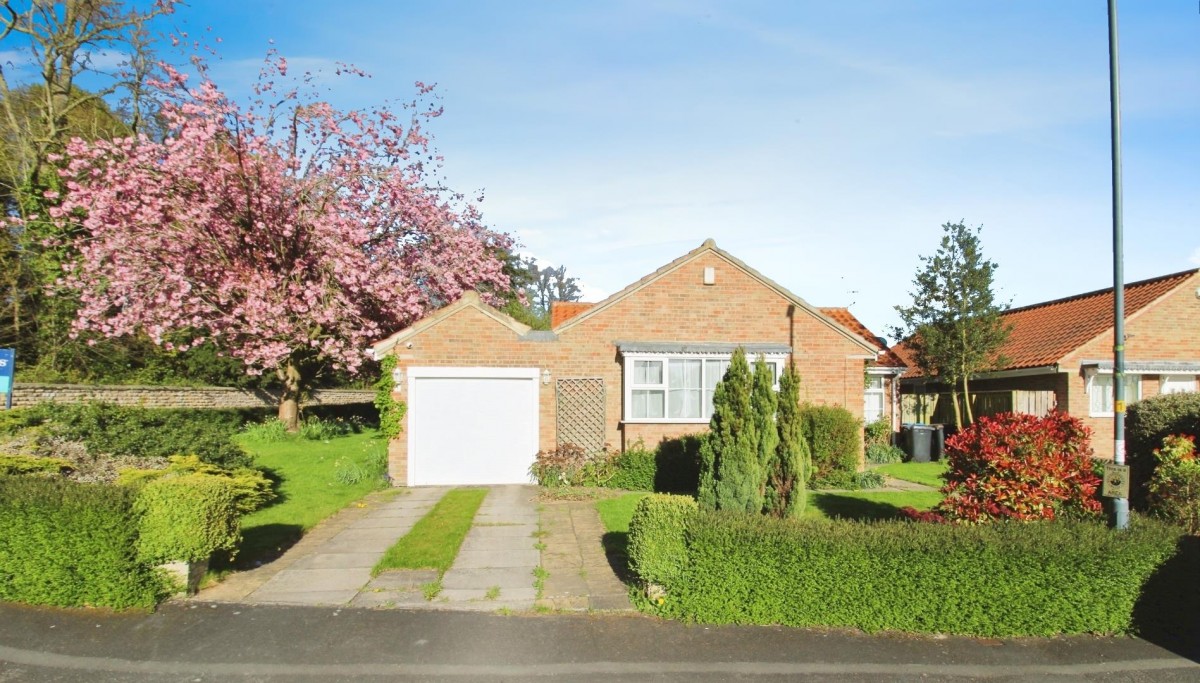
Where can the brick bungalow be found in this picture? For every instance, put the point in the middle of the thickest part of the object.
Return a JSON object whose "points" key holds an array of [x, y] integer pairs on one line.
{"points": [[1059, 355], [485, 392]]}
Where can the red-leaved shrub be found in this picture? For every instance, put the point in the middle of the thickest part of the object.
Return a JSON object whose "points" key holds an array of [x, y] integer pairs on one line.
{"points": [[1021, 467]]}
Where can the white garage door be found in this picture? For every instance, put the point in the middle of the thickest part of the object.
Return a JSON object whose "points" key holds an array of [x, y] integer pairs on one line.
{"points": [[471, 425]]}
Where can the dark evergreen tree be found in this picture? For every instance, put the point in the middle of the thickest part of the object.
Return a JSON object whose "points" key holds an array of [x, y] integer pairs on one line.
{"points": [[730, 473], [763, 403], [786, 490]]}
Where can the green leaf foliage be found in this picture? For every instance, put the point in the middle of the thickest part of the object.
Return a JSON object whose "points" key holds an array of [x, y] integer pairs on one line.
{"points": [[68, 544], [637, 467], [786, 480], [1000, 580], [1148, 422], [391, 411], [954, 326], [251, 488], [148, 432], [656, 547], [186, 518], [24, 464], [832, 433], [731, 473], [763, 405]]}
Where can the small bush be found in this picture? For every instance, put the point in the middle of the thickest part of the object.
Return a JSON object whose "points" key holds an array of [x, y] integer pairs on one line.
{"points": [[636, 469], [868, 480], [186, 518], [657, 553], [570, 465], [1149, 422], [1175, 487], [986, 580], [251, 488], [882, 454], [833, 440], [23, 464], [1020, 467], [878, 433], [391, 411], [68, 544]]}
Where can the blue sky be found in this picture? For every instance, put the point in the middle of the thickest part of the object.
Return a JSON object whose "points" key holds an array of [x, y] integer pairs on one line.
{"points": [[824, 143]]}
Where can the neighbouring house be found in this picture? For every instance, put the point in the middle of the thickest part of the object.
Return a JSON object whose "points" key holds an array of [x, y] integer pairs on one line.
{"points": [[881, 395], [1060, 355], [485, 393]]}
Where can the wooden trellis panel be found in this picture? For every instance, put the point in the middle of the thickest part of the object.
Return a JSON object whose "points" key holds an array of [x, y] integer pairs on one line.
{"points": [[581, 413]]}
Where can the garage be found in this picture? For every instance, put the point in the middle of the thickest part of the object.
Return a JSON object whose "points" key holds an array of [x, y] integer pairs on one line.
{"points": [[471, 425]]}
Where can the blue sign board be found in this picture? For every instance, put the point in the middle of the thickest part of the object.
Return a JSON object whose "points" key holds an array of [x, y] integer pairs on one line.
{"points": [[6, 374]]}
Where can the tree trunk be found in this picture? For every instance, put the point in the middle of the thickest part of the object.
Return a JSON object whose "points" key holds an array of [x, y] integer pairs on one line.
{"points": [[967, 402], [957, 408], [289, 402]]}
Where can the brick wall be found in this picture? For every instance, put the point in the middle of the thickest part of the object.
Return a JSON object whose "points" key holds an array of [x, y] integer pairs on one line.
{"points": [[25, 394], [1166, 330], [674, 307]]}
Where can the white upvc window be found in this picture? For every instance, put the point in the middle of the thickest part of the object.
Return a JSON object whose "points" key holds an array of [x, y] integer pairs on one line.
{"points": [[678, 387], [1100, 393], [873, 399], [1177, 384]]}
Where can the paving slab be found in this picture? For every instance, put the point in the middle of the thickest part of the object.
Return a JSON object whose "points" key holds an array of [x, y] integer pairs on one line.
{"points": [[403, 578], [579, 575], [331, 564], [504, 577]]}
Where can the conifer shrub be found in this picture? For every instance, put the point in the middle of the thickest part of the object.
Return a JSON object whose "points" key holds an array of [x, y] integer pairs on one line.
{"points": [[786, 478], [731, 474]]}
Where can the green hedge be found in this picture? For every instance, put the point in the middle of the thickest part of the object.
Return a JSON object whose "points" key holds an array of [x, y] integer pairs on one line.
{"points": [[70, 545], [146, 432], [833, 435], [988, 580], [635, 469], [656, 538], [677, 465], [1148, 423], [185, 518]]}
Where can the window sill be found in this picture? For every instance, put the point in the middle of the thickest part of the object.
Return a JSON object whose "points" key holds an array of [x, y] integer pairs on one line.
{"points": [[666, 421]]}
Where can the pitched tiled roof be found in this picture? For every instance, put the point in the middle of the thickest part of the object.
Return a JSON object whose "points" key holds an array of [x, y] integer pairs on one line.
{"points": [[846, 319], [562, 311], [1042, 334]]}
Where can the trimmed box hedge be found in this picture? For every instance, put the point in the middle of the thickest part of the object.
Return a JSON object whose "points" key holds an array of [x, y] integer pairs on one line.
{"points": [[1030, 579], [68, 544], [1002, 579]]}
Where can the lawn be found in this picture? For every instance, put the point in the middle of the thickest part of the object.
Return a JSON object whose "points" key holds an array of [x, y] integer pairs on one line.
{"points": [[434, 540], [927, 473], [315, 480]]}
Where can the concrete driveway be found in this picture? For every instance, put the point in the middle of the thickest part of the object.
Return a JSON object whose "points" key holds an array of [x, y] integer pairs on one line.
{"points": [[496, 567]]}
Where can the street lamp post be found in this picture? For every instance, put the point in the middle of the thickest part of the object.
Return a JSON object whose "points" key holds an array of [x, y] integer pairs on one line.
{"points": [[1121, 504]]}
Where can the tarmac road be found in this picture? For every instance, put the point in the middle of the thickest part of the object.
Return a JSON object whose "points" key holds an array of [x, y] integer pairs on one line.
{"points": [[198, 642]]}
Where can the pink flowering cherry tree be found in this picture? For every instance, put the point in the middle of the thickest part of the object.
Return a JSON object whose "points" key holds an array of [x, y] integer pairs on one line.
{"points": [[289, 233]]}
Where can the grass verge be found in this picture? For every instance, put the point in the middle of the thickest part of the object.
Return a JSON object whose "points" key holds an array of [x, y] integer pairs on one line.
{"points": [[615, 514], [927, 473], [312, 483], [433, 541]]}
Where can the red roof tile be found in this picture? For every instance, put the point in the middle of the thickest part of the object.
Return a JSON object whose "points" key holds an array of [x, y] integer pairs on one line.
{"points": [[562, 311], [846, 319], [1042, 334]]}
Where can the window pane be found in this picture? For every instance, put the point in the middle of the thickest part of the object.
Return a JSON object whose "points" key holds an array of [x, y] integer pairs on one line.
{"points": [[875, 383], [647, 404], [1100, 397], [872, 406], [685, 383], [1133, 388], [647, 372], [1177, 384], [714, 372]]}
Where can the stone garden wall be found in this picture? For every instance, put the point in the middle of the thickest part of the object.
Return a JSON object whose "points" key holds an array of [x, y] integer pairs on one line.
{"points": [[25, 394]]}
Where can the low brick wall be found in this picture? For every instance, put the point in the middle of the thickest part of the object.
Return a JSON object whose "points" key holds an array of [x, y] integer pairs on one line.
{"points": [[25, 394]]}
